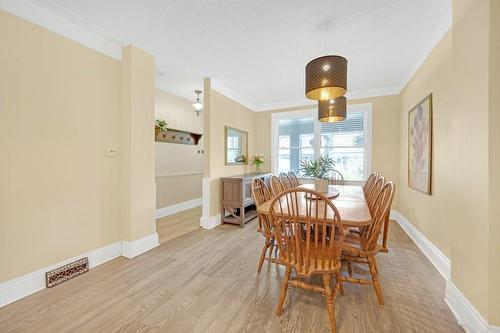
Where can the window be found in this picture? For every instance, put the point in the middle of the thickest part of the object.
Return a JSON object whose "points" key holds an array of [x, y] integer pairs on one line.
{"points": [[348, 142]]}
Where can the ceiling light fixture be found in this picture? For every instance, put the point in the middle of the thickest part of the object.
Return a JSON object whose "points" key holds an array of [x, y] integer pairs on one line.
{"points": [[333, 110], [326, 77], [198, 105]]}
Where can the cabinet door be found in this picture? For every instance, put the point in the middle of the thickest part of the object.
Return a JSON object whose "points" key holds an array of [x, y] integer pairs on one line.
{"points": [[247, 192]]}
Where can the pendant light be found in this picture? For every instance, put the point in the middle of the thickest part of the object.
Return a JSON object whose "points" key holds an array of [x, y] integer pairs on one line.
{"points": [[198, 105], [332, 110], [326, 77]]}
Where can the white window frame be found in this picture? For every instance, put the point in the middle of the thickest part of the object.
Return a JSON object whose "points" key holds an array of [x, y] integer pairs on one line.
{"points": [[313, 113]]}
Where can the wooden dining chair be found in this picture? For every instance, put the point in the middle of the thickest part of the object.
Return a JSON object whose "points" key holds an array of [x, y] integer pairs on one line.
{"points": [[369, 182], [373, 192], [293, 178], [336, 178], [363, 248], [309, 243], [285, 180], [276, 185], [260, 195]]}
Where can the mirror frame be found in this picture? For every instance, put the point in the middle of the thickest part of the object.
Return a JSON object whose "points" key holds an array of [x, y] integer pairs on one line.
{"points": [[226, 129]]}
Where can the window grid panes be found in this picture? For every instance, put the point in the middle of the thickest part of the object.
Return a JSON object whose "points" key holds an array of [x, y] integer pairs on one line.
{"points": [[344, 141]]}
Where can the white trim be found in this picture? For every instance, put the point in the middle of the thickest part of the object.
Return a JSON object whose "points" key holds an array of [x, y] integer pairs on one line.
{"points": [[221, 88], [30, 283], [179, 174], [179, 207], [139, 246], [436, 257], [351, 95], [466, 314], [312, 113], [75, 29], [427, 49], [210, 222]]}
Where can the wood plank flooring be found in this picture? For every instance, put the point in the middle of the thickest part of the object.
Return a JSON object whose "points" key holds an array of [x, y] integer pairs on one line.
{"points": [[172, 226], [206, 281]]}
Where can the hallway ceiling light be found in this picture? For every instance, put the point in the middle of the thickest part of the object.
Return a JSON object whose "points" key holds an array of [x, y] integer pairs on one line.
{"points": [[198, 105], [332, 110]]}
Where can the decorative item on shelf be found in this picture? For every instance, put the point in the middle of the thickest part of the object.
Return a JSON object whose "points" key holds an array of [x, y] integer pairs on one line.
{"points": [[197, 105], [326, 76], [332, 110], [160, 125], [258, 160], [319, 170]]}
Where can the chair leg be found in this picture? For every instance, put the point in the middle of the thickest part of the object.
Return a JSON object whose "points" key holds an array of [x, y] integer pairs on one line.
{"points": [[386, 233], [349, 267], [329, 302], [263, 254], [284, 287], [376, 283], [338, 277]]}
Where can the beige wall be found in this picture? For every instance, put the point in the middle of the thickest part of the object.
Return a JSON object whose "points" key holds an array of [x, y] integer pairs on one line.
{"points": [[226, 112], [457, 217], [137, 144], [62, 106], [494, 151], [179, 168], [426, 212], [59, 105]]}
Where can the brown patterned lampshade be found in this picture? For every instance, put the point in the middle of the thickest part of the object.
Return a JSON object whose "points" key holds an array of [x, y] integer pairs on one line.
{"points": [[326, 77], [332, 110]]}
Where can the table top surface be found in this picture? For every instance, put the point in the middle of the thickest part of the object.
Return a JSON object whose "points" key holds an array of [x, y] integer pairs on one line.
{"points": [[351, 205]]}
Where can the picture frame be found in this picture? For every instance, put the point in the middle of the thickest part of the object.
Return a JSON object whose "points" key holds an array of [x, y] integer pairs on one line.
{"points": [[420, 146]]}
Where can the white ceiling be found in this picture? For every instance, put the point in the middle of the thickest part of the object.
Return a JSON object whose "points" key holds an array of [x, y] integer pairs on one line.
{"points": [[256, 50]]}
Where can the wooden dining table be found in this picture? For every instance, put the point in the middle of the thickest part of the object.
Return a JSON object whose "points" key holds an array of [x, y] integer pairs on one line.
{"points": [[350, 203]]}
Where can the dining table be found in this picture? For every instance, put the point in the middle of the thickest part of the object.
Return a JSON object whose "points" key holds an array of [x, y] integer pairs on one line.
{"points": [[349, 200]]}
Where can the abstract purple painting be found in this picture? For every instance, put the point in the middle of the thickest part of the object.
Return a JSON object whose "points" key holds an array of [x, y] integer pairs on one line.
{"points": [[420, 146]]}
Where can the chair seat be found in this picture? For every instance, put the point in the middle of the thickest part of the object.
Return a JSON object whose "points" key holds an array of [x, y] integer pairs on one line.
{"points": [[317, 263]]}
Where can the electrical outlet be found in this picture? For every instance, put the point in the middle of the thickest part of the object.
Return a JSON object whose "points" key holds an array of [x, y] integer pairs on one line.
{"points": [[111, 152]]}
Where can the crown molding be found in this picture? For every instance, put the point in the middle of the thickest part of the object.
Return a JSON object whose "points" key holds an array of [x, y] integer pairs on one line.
{"points": [[218, 86], [427, 49], [354, 94], [79, 33]]}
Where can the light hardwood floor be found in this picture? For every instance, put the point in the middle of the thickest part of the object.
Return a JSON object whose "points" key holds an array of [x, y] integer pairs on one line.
{"points": [[172, 226], [206, 281]]}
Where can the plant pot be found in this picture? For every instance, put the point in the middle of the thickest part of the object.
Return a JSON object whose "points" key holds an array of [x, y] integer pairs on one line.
{"points": [[157, 131], [321, 185]]}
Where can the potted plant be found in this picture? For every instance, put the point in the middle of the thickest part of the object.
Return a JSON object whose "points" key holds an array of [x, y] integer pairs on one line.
{"points": [[319, 170], [160, 125], [258, 160]]}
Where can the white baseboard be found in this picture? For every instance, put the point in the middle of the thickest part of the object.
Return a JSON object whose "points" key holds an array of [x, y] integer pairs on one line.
{"points": [[139, 246], [210, 222], [20, 287], [468, 317], [181, 206], [25, 285], [465, 313], [437, 258]]}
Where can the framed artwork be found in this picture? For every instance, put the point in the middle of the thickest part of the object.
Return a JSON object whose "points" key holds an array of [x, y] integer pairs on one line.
{"points": [[420, 146]]}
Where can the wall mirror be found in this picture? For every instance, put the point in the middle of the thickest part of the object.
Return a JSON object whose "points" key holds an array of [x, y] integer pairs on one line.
{"points": [[236, 146]]}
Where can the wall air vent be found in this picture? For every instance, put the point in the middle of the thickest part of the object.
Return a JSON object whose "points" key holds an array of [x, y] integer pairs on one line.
{"points": [[66, 272]]}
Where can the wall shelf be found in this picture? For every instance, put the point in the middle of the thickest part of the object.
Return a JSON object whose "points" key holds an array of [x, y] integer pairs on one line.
{"points": [[177, 136]]}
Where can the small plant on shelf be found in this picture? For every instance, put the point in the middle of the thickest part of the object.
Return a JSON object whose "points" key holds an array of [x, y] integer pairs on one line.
{"points": [[319, 170], [160, 125], [257, 160]]}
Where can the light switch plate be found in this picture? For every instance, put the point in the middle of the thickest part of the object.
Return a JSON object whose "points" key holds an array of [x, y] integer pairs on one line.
{"points": [[111, 152]]}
